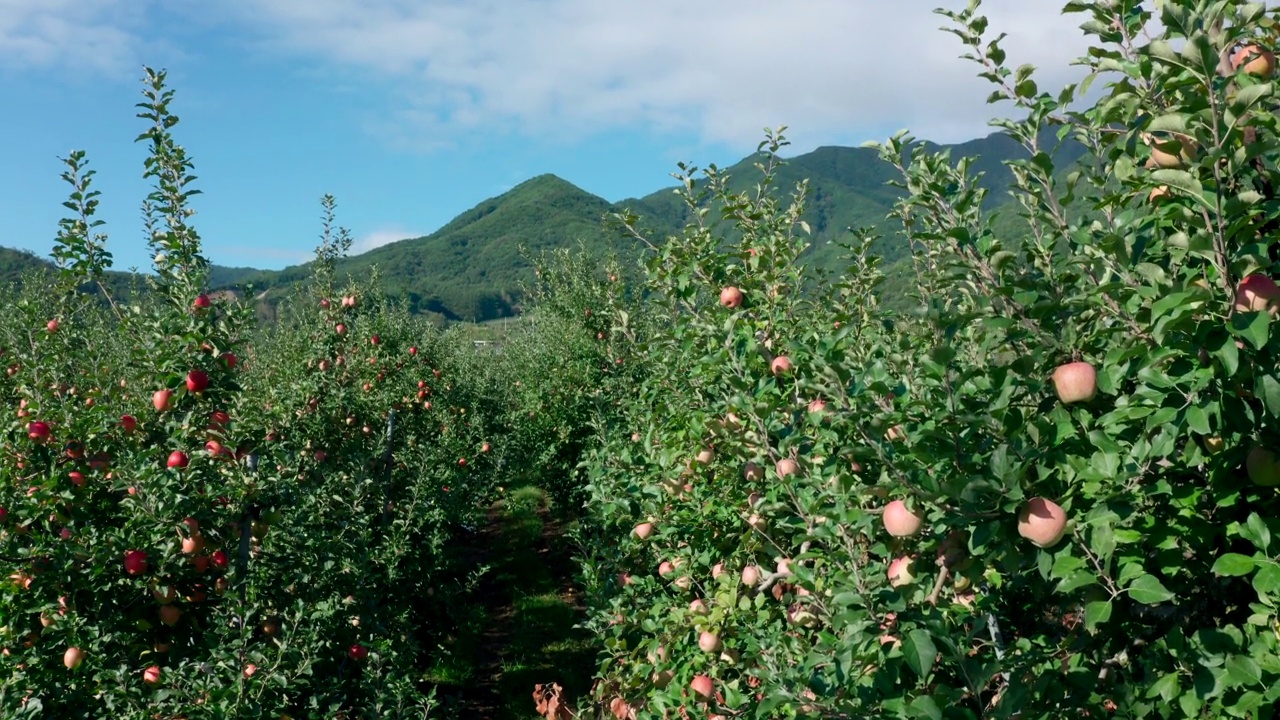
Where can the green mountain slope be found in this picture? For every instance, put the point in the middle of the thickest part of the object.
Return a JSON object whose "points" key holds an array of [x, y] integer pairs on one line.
{"points": [[472, 268]]}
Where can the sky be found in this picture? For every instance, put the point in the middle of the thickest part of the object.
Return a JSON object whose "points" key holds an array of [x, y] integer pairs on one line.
{"points": [[412, 111]]}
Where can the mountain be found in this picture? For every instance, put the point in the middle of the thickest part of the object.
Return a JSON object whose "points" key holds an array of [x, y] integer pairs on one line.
{"points": [[471, 269]]}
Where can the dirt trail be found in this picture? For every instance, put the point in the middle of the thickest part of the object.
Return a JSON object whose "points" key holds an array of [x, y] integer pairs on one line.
{"points": [[524, 610]]}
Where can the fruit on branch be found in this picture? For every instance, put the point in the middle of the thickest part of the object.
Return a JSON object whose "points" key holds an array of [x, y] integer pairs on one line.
{"points": [[1172, 151], [900, 571], [72, 658], [1043, 522], [731, 297], [1257, 293], [786, 466], [781, 365], [1075, 382], [643, 530], [702, 687], [135, 562], [162, 400], [1255, 60], [1262, 466], [899, 521], [709, 642]]}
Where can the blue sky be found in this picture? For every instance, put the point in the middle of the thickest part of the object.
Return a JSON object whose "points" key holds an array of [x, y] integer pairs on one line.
{"points": [[412, 111]]}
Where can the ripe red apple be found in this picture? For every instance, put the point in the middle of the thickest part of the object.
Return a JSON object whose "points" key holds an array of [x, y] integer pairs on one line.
{"points": [[192, 544], [229, 360], [1075, 382], [702, 687], [709, 642], [218, 420], [375, 340], [786, 466], [197, 381], [781, 365], [249, 670], [644, 530], [135, 562], [169, 615], [51, 326], [38, 431], [900, 521], [340, 329], [665, 568], [485, 448], [1257, 293], [72, 658], [698, 607], [731, 297], [358, 652], [900, 571], [751, 576], [128, 423], [1262, 467], [162, 399], [413, 350], [1256, 60], [1042, 522], [324, 303], [178, 459], [220, 559], [202, 302], [76, 477], [151, 675], [349, 301], [4, 514]]}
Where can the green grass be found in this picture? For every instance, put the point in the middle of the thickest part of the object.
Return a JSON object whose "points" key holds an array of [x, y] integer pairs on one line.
{"points": [[517, 629]]}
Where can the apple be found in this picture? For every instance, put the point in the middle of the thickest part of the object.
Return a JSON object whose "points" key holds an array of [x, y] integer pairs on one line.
{"points": [[698, 607], [752, 472], [38, 431], [1075, 382], [413, 350], [349, 301], [1158, 193], [485, 448], [72, 657], [178, 459], [169, 615], [731, 297], [324, 303], [717, 570], [4, 514], [192, 545], [781, 365], [702, 686], [219, 559], [750, 576], [1043, 522], [358, 652], [162, 399], [1256, 60], [705, 456], [151, 675], [900, 571], [216, 449], [899, 521], [135, 562], [165, 596], [76, 477], [249, 670], [200, 563], [709, 642], [51, 326], [202, 302], [1262, 467], [620, 709], [128, 423], [229, 360], [786, 466], [665, 568], [1173, 151], [340, 329], [218, 420], [643, 530], [1257, 293], [757, 523]]}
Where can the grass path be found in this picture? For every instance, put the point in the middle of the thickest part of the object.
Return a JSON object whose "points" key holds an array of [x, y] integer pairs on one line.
{"points": [[516, 625]]}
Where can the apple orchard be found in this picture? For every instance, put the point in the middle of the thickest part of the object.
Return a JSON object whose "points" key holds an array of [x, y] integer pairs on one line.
{"points": [[1030, 472]]}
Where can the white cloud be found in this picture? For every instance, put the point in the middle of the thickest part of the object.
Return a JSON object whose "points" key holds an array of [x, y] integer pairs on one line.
{"points": [[833, 70], [97, 35], [381, 236]]}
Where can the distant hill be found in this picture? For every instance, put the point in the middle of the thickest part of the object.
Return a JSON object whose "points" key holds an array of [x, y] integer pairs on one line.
{"points": [[471, 269]]}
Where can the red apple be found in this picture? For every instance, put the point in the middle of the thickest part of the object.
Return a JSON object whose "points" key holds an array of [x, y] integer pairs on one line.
{"points": [[229, 360], [731, 297], [128, 423], [781, 365], [169, 615], [1257, 293], [197, 381], [72, 658], [750, 576], [709, 642], [900, 571], [643, 530], [375, 340], [1042, 522], [135, 562], [900, 521], [358, 652], [218, 420], [51, 326], [38, 431], [702, 687], [151, 675], [162, 399], [219, 559], [76, 477], [178, 459], [340, 329], [249, 670], [1075, 382], [202, 302], [786, 466], [1256, 61]]}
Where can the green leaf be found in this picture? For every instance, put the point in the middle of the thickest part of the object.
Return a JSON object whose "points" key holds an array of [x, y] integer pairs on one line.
{"points": [[1184, 181], [920, 652], [1255, 530], [1242, 671], [1096, 613], [1233, 565], [1268, 388], [1268, 578], [925, 706], [1251, 326], [1148, 590], [1166, 688], [1197, 420]]}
